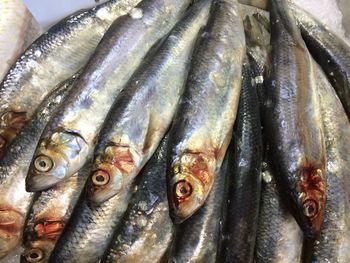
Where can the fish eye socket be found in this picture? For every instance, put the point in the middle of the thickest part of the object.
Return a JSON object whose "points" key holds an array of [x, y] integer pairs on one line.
{"points": [[183, 189], [310, 208], [34, 255], [100, 178], [43, 163]]}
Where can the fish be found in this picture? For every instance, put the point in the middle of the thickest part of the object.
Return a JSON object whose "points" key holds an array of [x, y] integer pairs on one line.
{"points": [[146, 231], [14, 200], [197, 239], [144, 109], [279, 237], [48, 216], [70, 137], [18, 28], [203, 123], [52, 58], [293, 122], [245, 178], [333, 243]]}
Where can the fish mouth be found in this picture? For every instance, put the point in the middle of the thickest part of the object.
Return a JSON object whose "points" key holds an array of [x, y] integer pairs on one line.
{"points": [[11, 225]]}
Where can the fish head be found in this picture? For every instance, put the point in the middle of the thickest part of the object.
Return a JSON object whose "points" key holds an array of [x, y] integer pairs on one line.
{"points": [[11, 226], [56, 159], [311, 200], [113, 168], [191, 180]]}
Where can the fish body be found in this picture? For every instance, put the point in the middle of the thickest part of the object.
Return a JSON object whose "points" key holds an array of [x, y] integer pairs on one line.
{"points": [[49, 60], [245, 187], [197, 239], [144, 110], [146, 231], [293, 121], [202, 127], [279, 238], [14, 199], [70, 137]]}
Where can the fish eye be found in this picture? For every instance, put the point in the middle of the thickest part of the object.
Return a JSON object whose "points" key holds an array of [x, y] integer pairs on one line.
{"points": [[100, 178], [43, 163], [183, 189], [34, 255], [310, 208]]}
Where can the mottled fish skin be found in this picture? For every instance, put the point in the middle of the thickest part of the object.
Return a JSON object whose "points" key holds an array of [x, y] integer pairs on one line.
{"points": [[18, 29], [197, 239], [145, 108], [48, 216], [70, 137], [279, 238], [146, 231], [45, 64], [293, 121], [333, 244], [203, 123], [245, 181], [14, 200]]}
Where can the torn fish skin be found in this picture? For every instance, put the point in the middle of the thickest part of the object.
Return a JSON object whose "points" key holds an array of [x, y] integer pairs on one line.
{"points": [[49, 60], [15, 201], [293, 122], [70, 137], [203, 123], [133, 130], [146, 231]]}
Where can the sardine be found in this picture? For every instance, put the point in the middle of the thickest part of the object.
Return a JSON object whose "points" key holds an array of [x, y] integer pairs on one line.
{"points": [[146, 231], [333, 244], [245, 185], [48, 216], [18, 29], [203, 123], [51, 59], [70, 137], [197, 239], [293, 121], [144, 110], [14, 200], [279, 238]]}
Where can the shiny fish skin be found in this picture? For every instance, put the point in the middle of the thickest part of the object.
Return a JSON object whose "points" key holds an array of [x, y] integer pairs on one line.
{"points": [[333, 245], [18, 29], [145, 108], [196, 240], [146, 231], [51, 59], [293, 121], [14, 200], [48, 216], [245, 185], [70, 137], [203, 124], [279, 238]]}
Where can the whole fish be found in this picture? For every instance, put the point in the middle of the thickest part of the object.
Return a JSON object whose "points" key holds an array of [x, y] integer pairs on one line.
{"points": [[14, 200], [293, 121], [48, 216], [51, 59], [144, 110], [279, 238], [333, 244], [70, 137], [197, 239], [203, 124], [146, 231], [245, 186], [18, 29]]}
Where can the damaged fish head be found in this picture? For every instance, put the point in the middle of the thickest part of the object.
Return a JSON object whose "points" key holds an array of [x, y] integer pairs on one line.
{"points": [[191, 180], [56, 159]]}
